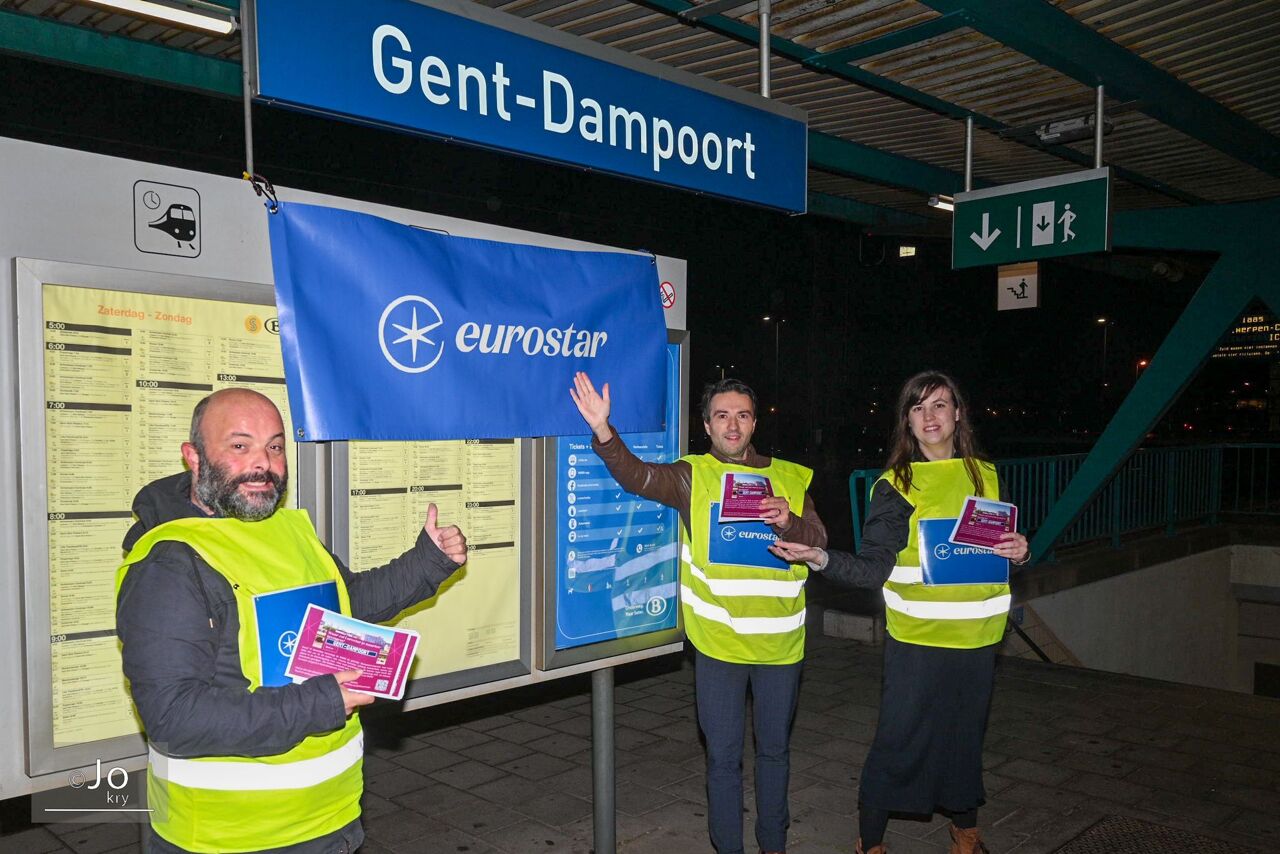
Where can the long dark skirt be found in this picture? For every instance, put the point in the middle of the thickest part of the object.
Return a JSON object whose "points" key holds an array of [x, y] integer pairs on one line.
{"points": [[927, 752]]}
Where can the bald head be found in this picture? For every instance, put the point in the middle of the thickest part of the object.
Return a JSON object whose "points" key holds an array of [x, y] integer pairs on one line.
{"points": [[225, 397], [236, 454]]}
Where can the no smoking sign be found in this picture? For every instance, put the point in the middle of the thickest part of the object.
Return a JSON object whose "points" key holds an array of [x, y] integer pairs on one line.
{"points": [[668, 295]]}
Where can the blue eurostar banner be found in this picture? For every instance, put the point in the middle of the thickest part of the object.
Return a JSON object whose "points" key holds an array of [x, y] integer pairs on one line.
{"points": [[463, 72], [393, 332]]}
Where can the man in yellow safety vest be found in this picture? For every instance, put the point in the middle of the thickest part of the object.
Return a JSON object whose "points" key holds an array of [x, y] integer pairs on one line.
{"points": [[235, 764], [744, 611]]}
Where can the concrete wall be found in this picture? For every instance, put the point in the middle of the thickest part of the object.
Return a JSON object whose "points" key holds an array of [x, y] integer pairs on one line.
{"points": [[1255, 577], [1178, 620], [1259, 637]]}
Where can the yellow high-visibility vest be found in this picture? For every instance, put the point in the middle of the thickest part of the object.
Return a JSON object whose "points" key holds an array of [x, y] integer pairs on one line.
{"points": [[237, 803], [741, 614], [959, 616]]}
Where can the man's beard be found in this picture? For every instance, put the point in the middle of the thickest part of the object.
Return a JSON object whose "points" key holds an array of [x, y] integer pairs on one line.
{"points": [[220, 492]]}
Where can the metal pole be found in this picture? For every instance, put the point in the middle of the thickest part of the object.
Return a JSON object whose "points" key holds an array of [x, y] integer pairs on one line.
{"points": [[968, 153], [248, 127], [777, 384], [603, 779], [1104, 352], [765, 15], [1097, 130], [247, 49]]}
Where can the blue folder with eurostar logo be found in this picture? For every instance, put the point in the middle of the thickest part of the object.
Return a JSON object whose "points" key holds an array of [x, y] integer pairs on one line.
{"points": [[279, 617], [742, 543], [942, 562]]}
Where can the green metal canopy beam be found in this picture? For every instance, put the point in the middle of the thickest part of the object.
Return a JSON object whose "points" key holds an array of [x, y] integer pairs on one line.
{"points": [[843, 157], [904, 37], [747, 34], [838, 207], [73, 45], [1053, 38], [735, 29], [1246, 237]]}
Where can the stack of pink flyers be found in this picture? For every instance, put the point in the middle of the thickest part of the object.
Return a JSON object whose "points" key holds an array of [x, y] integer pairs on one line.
{"points": [[329, 642]]}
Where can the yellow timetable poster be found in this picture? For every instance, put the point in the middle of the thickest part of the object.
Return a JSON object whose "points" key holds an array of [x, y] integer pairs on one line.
{"points": [[122, 372], [475, 619]]}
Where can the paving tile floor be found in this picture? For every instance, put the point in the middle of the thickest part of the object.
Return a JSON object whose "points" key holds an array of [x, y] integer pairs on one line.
{"points": [[511, 773]]}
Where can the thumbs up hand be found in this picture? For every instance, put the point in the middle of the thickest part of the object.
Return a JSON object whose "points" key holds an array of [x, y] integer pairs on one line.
{"points": [[449, 540]]}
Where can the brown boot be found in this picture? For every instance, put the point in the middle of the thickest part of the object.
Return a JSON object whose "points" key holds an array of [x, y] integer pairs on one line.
{"points": [[966, 841], [879, 849]]}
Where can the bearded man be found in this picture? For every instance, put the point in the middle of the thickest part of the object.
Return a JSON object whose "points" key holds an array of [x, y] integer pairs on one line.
{"points": [[240, 760]]}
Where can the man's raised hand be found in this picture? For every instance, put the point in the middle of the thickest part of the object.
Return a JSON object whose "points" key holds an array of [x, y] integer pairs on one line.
{"points": [[593, 406], [449, 540]]}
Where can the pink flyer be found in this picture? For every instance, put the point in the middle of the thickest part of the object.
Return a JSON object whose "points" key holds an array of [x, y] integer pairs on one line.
{"points": [[741, 494], [329, 642], [983, 522]]}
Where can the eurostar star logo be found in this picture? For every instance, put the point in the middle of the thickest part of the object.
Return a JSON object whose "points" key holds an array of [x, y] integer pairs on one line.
{"points": [[942, 551], [287, 642], [394, 319], [728, 533]]}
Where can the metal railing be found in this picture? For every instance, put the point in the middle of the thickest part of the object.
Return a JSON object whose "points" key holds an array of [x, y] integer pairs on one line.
{"points": [[1155, 488]]}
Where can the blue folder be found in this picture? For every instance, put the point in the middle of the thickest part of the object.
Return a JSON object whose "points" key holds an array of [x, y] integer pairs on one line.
{"points": [[944, 562], [279, 618], [742, 543]]}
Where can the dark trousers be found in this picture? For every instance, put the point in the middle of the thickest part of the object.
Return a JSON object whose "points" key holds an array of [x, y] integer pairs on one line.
{"points": [[721, 690]]}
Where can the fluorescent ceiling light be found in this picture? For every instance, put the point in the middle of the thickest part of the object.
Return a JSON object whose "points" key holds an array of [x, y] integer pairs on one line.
{"points": [[192, 17], [942, 203]]}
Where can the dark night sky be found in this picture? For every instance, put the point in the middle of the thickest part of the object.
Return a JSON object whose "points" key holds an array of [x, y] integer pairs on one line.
{"points": [[858, 319]]}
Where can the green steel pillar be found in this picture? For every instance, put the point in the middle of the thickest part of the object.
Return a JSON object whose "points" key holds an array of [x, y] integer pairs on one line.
{"points": [[1246, 238]]}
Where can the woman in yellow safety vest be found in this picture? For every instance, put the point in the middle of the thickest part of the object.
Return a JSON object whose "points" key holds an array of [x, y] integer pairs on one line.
{"points": [[939, 655]]}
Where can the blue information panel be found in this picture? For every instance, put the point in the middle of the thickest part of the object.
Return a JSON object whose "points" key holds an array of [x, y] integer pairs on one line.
{"points": [[618, 556]]}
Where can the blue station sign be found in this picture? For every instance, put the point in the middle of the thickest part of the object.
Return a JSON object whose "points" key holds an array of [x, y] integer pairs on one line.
{"points": [[460, 71]]}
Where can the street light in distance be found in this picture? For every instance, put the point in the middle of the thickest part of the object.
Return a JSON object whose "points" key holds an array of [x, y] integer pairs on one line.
{"points": [[1106, 323]]}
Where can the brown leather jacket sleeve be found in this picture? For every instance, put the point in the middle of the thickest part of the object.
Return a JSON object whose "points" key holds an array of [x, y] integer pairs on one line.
{"points": [[672, 484], [667, 483], [806, 528]]}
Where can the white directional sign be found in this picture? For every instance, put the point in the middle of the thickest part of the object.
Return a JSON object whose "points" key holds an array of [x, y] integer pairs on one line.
{"points": [[1018, 286]]}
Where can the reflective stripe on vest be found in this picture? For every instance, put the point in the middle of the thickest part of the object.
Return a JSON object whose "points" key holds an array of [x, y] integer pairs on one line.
{"points": [[907, 575], [725, 587], [926, 610], [742, 625], [255, 776]]}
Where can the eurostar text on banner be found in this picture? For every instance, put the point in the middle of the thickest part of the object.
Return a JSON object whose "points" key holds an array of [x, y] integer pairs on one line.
{"points": [[394, 332]]}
